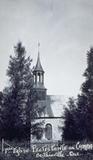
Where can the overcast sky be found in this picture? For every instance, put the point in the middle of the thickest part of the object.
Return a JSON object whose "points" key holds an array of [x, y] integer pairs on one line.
{"points": [[64, 29]]}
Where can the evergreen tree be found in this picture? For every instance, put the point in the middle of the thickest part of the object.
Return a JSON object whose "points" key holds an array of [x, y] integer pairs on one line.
{"points": [[85, 100], [70, 133], [79, 121], [1, 106], [16, 95]]}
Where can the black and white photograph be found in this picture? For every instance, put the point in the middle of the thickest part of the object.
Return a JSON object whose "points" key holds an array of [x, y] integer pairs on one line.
{"points": [[46, 79]]}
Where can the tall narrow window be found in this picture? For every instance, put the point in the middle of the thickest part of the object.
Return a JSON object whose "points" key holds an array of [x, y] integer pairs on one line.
{"points": [[38, 78], [48, 131]]}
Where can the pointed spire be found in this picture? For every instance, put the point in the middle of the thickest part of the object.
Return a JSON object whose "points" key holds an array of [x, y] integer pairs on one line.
{"points": [[38, 46], [38, 66]]}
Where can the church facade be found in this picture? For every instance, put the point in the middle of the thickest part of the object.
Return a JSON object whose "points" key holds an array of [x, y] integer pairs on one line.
{"points": [[53, 108]]}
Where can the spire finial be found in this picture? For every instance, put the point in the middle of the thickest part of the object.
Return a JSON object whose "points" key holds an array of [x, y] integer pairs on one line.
{"points": [[38, 66], [38, 46]]}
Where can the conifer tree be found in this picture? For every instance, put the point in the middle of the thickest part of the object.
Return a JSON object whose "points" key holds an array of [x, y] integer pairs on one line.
{"points": [[79, 121], [85, 100], [1, 106], [70, 121], [16, 94]]}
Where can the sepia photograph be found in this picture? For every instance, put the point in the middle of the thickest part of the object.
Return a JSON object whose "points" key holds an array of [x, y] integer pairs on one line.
{"points": [[46, 80]]}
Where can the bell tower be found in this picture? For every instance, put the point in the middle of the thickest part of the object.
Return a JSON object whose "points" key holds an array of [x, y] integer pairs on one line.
{"points": [[38, 74]]}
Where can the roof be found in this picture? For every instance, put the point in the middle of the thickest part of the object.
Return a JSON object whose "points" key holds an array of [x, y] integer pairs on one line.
{"points": [[56, 107], [38, 66]]}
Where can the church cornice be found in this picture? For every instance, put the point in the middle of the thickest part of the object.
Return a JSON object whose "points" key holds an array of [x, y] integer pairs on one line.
{"points": [[49, 118]]}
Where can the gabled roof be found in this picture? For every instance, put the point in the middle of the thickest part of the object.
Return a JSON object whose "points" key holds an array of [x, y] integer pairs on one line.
{"points": [[56, 107], [38, 66]]}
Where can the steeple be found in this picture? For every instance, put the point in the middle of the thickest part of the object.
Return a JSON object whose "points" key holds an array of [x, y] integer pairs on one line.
{"points": [[38, 73]]}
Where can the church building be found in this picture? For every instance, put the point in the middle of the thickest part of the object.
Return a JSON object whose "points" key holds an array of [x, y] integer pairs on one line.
{"points": [[53, 108]]}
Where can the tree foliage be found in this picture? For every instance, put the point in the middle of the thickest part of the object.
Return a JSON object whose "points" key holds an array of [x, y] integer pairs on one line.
{"points": [[79, 120], [70, 121], [85, 100], [16, 94]]}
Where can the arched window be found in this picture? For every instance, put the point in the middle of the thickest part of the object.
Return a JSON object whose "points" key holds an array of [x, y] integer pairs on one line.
{"points": [[48, 131]]}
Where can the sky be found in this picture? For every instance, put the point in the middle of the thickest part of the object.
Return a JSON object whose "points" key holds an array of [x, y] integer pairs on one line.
{"points": [[64, 29]]}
